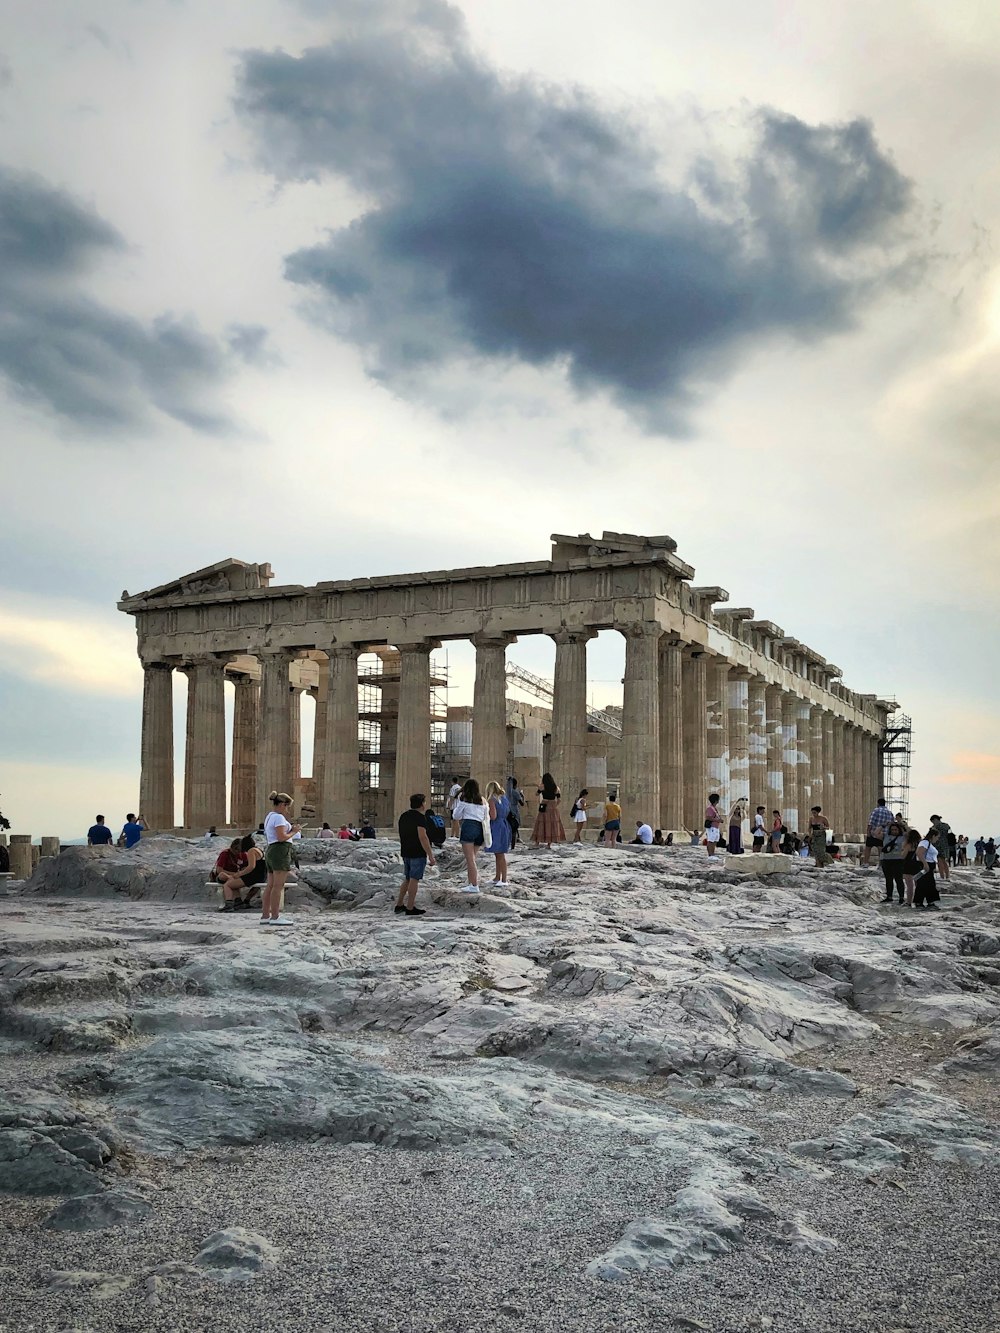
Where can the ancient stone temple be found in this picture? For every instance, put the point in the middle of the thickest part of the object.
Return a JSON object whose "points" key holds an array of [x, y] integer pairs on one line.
{"points": [[714, 697]]}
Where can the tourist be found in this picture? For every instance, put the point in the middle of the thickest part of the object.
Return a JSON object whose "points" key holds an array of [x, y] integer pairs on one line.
{"points": [[454, 794], [499, 831], [818, 825], [791, 843], [911, 863], [901, 821], [777, 828], [344, 833], [893, 856], [326, 832], [437, 831], [942, 845], [132, 831], [579, 814], [548, 824], [878, 822], [229, 862], [952, 849], [658, 838], [99, 835], [239, 889], [472, 814], [515, 799], [353, 833], [643, 833], [925, 894], [368, 829], [278, 858], [612, 820], [980, 845], [963, 850], [990, 854], [417, 854], [713, 823], [209, 835], [759, 830], [737, 814]]}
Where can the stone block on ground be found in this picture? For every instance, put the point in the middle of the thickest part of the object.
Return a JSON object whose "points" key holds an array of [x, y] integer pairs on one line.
{"points": [[760, 863]]}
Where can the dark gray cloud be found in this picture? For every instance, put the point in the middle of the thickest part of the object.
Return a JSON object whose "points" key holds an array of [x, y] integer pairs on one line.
{"points": [[64, 351], [509, 219]]}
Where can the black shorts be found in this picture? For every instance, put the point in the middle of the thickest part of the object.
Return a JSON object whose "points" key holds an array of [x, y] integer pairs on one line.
{"points": [[873, 842]]}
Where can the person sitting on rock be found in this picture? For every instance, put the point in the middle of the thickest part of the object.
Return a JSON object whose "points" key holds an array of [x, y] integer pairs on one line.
{"points": [[239, 889]]}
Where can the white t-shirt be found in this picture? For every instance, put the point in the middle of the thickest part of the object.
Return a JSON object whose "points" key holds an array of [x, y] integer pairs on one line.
{"points": [[463, 810], [930, 852], [454, 793], [275, 820], [644, 833], [758, 826]]}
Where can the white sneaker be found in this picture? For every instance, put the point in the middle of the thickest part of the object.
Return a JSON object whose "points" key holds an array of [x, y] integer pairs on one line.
{"points": [[471, 888], [500, 884], [277, 921]]}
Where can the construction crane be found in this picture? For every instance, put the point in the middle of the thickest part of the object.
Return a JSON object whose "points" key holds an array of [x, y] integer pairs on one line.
{"points": [[542, 689]]}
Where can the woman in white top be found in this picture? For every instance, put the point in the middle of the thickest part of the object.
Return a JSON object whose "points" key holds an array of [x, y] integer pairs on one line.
{"points": [[279, 832], [579, 814], [926, 895], [472, 815]]}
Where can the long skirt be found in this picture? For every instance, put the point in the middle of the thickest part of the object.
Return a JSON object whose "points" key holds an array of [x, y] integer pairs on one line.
{"points": [[548, 825], [736, 838], [817, 846]]}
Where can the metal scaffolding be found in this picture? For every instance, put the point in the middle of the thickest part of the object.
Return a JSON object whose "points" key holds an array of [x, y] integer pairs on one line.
{"points": [[597, 719], [895, 751], [378, 718]]}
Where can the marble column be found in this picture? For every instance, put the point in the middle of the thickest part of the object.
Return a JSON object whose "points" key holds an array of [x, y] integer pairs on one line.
{"points": [[319, 734], [790, 761], [671, 734], [640, 793], [489, 711], [775, 753], [187, 671], [295, 731], [413, 733], [829, 781], [337, 799], [738, 699], [156, 781], [757, 746], [568, 746], [274, 744], [803, 747], [839, 816], [817, 757], [20, 855], [243, 776], [717, 730], [858, 818], [205, 761], [694, 687]]}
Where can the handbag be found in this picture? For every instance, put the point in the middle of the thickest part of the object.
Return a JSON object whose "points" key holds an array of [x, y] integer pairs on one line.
{"points": [[487, 831]]}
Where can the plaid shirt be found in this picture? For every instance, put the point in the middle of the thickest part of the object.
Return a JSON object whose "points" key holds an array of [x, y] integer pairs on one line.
{"points": [[880, 817]]}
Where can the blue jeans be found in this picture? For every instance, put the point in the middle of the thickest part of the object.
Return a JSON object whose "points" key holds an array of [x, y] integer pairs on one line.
{"points": [[414, 866], [471, 830]]}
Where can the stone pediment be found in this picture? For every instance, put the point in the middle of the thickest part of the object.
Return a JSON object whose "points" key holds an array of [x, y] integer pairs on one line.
{"points": [[225, 576]]}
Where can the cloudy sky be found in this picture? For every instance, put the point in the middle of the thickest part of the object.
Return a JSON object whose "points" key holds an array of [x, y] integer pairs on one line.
{"points": [[452, 277]]}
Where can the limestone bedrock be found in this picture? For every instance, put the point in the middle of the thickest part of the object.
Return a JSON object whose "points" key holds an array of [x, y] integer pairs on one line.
{"points": [[617, 997]]}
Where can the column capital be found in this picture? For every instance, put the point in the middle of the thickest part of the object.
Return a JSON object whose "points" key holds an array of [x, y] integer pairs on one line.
{"points": [[567, 635], [343, 648], [485, 640], [641, 629], [419, 646], [275, 651], [156, 664]]}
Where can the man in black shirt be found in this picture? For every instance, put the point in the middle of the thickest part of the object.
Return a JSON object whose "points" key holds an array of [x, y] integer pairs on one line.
{"points": [[416, 851]]}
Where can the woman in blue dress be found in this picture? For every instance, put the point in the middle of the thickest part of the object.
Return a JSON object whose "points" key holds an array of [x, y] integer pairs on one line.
{"points": [[499, 830]]}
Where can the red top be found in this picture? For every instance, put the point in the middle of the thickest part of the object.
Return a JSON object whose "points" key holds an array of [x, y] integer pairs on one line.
{"points": [[230, 861]]}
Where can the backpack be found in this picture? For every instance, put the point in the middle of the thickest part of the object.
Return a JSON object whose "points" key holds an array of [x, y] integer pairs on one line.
{"points": [[572, 813], [435, 821]]}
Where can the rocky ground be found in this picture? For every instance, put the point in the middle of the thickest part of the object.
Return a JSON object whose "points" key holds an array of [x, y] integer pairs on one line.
{"points": [[633, 1091]]}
